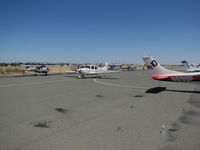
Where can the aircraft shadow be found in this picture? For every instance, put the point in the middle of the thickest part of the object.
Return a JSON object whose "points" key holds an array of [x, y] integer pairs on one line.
{"points": [[71, 76], [108, 78], [156, 90], [33, 75], [76, 77], [19, 76], [28, 75], [183, 91]]}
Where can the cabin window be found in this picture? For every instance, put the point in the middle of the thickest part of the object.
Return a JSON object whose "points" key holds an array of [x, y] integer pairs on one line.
{"points": [[85, 67]]}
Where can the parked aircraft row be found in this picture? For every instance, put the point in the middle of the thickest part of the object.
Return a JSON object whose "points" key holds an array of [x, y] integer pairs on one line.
{"points": [[83, 71], [38, 69], [157, 71]]}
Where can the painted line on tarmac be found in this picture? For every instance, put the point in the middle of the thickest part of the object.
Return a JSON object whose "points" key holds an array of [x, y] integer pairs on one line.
{"points": [[30, 83], [120, 85]]}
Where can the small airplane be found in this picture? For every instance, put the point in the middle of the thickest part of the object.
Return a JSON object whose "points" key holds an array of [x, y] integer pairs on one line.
{"points": [[92, 71], [160, 73], [191, 67], [38, 69], [128, 67]]}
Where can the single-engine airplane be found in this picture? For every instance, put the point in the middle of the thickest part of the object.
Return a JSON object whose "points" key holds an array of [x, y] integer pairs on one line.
{"points": [[191, 67], [93, 71], [160, 73], [38, 69]]}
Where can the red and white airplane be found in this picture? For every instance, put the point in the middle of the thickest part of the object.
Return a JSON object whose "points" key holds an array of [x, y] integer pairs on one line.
{"points": [[160, 73]]}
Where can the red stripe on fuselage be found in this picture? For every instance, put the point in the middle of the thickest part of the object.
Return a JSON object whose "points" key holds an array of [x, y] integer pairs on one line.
{"points": [[196, 77], [166, 78], [183, 78]]}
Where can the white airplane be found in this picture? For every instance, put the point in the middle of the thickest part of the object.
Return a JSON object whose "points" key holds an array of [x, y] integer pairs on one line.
{"points": [[160, 73], [92, 71], [191, 67], [39, 69]]}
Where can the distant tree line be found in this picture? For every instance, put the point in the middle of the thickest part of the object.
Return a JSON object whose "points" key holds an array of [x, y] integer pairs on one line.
{"points": [[4, 64], [30, 63]]}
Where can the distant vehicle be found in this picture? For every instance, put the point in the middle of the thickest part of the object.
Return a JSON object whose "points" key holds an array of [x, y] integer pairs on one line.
{"points": [[38, 69], [191, 67], [128, 67], [160, 73], [92, 71]]}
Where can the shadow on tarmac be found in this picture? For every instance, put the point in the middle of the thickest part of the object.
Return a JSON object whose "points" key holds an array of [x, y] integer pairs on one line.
{"points": [[31, 75], [76, 77], [156, 90], [184, 91]]}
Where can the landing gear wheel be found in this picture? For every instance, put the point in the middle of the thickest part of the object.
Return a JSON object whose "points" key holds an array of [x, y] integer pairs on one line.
{"points": [[81, 76]]}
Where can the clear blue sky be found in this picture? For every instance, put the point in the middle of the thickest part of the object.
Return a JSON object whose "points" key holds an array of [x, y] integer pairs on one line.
{"points": [[99, 30]]}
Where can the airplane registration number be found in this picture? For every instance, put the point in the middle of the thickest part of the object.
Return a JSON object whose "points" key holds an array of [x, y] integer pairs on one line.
{"points": [[181, 78]]}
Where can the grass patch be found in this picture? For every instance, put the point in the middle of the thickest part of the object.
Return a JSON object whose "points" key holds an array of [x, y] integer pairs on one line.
{"points": [[2, 71]]}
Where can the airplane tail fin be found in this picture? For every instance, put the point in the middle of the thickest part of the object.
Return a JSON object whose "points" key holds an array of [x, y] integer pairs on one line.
{"points": [[155, 68], [185, 64], [106, 66]]}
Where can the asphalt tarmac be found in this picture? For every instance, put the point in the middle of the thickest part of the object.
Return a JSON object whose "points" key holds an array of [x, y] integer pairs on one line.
{"points": [[113, 113]]}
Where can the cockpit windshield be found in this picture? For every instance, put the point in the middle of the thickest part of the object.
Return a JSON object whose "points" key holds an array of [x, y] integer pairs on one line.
{"points": [[85, 67]]}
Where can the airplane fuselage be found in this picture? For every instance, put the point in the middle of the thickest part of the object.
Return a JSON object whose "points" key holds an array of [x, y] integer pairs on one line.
{"points": [[160, 73], [92, 71], [189, 77], [39, 70]]}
